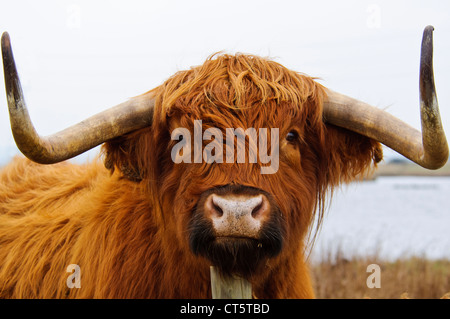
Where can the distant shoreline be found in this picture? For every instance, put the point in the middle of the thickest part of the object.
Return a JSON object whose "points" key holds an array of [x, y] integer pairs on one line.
{"points": [[409, 169]]}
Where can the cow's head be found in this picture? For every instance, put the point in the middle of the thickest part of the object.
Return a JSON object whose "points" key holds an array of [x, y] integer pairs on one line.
{"points": [[223, 205], [228, 213]]}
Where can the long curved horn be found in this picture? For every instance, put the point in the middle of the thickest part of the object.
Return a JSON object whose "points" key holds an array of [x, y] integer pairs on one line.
{"points": [[428, 148], [121, 119]]}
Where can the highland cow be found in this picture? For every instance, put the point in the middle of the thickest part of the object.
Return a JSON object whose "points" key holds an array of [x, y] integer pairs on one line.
{"points": [[141, 225]]}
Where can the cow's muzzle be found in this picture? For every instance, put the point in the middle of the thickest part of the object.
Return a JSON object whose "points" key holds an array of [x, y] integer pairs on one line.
{"points": [[237, 228]]}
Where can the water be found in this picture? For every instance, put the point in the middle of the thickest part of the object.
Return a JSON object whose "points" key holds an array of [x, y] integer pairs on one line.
{"points": [[391, 217]]}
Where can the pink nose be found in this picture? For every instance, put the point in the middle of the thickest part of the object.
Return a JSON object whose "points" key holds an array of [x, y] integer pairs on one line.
{"points": [[237, 215]]}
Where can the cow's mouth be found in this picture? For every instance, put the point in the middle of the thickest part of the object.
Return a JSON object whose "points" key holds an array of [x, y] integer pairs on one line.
{"points": [[235, 255], [242, 254]]}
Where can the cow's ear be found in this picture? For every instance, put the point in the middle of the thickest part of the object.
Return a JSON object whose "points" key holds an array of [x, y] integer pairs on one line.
{"points": [[128, 154], [349, 155]]}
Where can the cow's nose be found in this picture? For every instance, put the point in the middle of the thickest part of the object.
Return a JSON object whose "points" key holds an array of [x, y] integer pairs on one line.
{"points": [[237, 216]]}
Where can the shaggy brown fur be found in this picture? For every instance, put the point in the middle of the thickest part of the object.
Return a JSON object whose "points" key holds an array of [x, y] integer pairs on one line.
{"points": [[126, 227]]}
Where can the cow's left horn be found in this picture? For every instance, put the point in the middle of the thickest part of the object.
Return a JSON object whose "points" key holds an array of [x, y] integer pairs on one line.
{"points": [[427, 148], [121, 119]]}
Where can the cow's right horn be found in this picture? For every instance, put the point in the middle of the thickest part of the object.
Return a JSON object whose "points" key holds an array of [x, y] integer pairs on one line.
{"points": [[428, 148], [121, 119]]}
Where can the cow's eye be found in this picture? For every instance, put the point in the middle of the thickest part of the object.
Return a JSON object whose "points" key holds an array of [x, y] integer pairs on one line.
{"points": [[292, 136]]}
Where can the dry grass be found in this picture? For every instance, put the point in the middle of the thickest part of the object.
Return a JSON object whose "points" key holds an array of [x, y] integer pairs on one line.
{"points": [[415, 278]]}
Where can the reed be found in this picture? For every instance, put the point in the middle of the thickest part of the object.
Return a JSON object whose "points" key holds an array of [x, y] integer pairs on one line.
{"points": [[336, 276]]}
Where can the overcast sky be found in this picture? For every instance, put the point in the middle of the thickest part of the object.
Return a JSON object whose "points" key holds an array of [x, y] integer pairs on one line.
{"points": [[77, 58]]}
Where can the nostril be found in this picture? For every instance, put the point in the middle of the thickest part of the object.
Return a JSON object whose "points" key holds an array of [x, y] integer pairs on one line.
{"points": [[256, 210], [213, 208], [218, 209], [262, 209]]}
